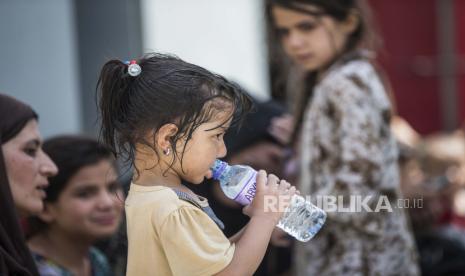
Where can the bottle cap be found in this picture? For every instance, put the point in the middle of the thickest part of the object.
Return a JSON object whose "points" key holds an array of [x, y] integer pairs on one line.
{"points": [[218, 168]]}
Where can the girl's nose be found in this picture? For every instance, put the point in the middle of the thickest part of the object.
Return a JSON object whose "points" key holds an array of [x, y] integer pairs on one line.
{"points": [[222, 151], [295, 40], [106, 200]]}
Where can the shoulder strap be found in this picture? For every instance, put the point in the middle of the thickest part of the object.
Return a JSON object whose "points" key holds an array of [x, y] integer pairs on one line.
{"points": [[207, 210]]}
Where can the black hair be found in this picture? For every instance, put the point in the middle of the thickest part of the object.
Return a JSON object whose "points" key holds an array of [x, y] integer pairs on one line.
{"points": [[70, 153], [168, 90], [364, 36]]}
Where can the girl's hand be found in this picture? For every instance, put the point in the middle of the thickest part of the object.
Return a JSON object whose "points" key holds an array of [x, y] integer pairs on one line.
{"points": [[279, 238], [271, 198], [281, 128]]}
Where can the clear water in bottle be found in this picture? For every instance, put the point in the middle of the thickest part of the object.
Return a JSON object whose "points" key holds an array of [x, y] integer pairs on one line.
{"points": [[301, 219]]}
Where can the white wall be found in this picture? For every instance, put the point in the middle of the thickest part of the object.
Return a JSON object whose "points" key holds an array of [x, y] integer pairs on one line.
{"points": [[225, 36], [38, 60]]}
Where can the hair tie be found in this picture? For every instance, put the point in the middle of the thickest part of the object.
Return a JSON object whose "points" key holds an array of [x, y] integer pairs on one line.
{"points": [[133, 68]]}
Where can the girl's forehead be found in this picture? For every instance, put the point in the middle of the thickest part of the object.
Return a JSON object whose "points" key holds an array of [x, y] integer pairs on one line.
{"points": [[286, 16], [309, 9], [301, 10], [221, 119]]}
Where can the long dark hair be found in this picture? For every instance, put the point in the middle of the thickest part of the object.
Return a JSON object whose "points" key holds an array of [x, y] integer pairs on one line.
{"points": [[364, 36], [168, 90], [15, 258]]}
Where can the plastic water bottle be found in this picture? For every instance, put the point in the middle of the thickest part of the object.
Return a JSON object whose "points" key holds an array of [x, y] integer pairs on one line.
{"points": [[301, 219]]}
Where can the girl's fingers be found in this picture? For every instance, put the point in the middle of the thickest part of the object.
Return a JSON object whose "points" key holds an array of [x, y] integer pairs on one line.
{"points": [[261, 180], [292, 191], [280, 133], [273, 181], [284, 185]]}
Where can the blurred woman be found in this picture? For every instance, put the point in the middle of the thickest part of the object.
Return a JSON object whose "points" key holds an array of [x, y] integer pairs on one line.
{"points": [[24, 169], [84, 203]]}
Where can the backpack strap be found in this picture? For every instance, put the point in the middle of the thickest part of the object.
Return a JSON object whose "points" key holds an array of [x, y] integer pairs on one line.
{"points": [[207, 210]]}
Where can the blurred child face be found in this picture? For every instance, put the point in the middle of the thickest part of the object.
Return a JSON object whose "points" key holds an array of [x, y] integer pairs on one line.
{"points": [[28, 168], [309, 41], [90, 206], [204, 147]]}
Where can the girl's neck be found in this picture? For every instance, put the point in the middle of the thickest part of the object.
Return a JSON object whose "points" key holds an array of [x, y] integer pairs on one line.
{"points": [[66, 250], [159, 174], [340, 58], [167, 179], [156, 177]]}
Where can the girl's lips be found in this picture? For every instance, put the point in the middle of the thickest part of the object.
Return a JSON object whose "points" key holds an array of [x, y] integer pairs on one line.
{"points": [[41, 193], [209, 174], [106, 220], [303, 58]]}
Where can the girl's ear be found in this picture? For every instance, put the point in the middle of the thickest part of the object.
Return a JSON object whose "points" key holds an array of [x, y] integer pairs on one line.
{"points": [[164, 136], [48, 214], [351, 23]]}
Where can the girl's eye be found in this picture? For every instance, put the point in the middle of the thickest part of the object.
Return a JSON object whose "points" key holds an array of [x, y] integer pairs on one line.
{"points": [[113, 187], [307, 26], [218, 137], [83, 194], [86, 193]]}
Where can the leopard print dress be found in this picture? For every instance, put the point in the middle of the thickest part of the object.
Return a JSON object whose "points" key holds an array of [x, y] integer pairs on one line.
{"points": [[347, 150]]}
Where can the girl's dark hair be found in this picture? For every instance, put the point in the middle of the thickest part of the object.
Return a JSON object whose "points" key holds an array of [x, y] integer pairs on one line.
{"points": [[364, 36], [70, 153], [168, 90]]}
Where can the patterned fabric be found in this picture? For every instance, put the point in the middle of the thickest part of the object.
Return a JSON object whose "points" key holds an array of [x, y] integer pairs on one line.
{"points": [[347, 149], [98, 263]]}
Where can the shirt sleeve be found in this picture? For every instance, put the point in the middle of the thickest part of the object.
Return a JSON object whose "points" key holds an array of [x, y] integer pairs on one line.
{"points": [[357, 168], [193, 243]]}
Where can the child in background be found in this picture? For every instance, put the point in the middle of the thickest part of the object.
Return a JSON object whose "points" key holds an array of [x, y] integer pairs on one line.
{"points": [[84, 203], [342, 133], [168, 118]]}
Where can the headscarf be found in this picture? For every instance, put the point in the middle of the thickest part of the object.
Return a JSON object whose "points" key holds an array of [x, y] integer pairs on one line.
{"points": [[15, 258]]}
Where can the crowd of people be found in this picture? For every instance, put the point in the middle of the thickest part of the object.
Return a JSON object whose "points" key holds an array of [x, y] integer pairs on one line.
{"points": [[332, 133]]}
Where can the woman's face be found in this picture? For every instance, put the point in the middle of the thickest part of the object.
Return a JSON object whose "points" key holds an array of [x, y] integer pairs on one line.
{"points": [[91, 204], [311, 42], [28, 169]]}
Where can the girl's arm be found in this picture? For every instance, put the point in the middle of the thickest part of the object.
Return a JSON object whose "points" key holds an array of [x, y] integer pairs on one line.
{"points": [[234, 238], [251, 245]]}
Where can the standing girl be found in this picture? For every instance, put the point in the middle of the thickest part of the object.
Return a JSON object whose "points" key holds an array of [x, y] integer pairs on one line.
{"points": [[345, 144], [168, 118]]}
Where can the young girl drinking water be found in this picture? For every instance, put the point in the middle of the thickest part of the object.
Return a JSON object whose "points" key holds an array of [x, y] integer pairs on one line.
{"points": [[346, 149], [168, 118]]}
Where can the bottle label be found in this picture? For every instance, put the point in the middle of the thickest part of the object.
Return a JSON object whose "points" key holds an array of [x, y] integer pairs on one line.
{"points": [[248, 191]]}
